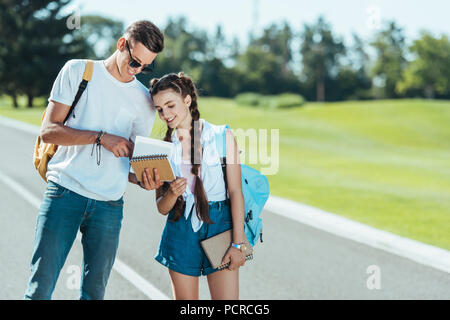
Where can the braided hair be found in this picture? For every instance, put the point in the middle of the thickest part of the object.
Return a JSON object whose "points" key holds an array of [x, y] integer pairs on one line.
{"points": [[184, 85]]}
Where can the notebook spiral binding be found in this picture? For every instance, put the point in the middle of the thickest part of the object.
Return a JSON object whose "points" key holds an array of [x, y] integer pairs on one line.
{"points": [[153, 157], [226, 265]]}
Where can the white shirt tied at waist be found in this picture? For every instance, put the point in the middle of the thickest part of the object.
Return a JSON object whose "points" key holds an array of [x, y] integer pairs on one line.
{"points": [[211, 170]]}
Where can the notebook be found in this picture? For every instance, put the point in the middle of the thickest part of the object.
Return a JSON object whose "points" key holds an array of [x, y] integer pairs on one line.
{"points": [[152, 153], [217, 246]]}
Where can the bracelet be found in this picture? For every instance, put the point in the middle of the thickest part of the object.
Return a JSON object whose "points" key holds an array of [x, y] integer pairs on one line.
{"points": [[98, 145], [237, 245], [99, 137]]}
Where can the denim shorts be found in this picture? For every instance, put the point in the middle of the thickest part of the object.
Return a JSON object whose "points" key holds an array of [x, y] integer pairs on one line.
{"points": [[180, 249]]}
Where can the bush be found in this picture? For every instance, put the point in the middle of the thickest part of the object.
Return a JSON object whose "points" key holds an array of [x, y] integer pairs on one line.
{"points": [[285, 100], [248, 99]]}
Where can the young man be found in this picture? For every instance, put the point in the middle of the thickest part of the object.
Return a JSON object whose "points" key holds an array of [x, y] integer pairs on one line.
{"points": [[86, 180]]}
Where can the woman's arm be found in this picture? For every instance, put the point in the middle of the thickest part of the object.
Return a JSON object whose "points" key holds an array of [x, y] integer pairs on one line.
{"points": [[166, 200], [233, 170]]}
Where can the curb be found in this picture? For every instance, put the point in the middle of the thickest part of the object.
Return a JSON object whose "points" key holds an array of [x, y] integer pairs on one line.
{"points": [[416, 251], [23, 126]]}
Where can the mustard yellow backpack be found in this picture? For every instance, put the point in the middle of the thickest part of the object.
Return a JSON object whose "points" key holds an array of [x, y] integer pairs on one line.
{"points": [[43, 152]]}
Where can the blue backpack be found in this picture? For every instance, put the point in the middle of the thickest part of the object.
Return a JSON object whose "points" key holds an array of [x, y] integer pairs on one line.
{"points": [[255, 188]]}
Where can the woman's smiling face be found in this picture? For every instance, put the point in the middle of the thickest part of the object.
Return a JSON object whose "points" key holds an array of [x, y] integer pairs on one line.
{"points": [[171, 107]]}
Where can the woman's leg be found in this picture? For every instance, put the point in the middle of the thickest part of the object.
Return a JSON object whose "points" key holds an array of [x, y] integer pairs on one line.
{"points": [[184, 287], [224, 285]]}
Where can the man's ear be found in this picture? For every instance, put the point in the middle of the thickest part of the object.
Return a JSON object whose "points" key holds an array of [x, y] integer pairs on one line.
{"points": [[121, 43], [188, 100]]}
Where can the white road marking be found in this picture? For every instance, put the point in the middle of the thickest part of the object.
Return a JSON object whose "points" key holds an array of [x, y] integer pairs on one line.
{"points": [[122, 268]]}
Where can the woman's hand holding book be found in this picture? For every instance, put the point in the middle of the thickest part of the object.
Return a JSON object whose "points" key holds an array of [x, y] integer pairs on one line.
{"points": [[178, 186]]}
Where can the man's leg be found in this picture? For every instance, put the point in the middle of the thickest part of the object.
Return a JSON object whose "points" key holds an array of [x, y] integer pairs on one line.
{"points": [[57, 225], [100, 229]]}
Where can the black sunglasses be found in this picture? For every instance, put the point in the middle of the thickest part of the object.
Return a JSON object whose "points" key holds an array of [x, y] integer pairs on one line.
{"points": [[134, 64]]}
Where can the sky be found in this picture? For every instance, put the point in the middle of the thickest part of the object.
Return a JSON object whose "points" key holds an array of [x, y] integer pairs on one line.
{"points": [[238, 17]]}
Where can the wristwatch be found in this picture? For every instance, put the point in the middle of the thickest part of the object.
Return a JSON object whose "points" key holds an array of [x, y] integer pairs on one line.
{"points": [[240, 246]]}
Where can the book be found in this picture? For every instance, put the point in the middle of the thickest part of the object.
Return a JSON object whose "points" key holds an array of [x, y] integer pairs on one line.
{"points": [[152, 153], [217, 246]]}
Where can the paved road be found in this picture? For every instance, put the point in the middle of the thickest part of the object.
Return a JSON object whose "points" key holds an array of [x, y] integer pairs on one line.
{"points": [[294, 262]]}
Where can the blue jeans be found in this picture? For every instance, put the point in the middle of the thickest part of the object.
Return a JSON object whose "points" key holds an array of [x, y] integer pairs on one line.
{"points": [[180, 249], [62, 213]]}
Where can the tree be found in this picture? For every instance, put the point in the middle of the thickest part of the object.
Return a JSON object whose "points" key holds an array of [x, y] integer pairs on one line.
{"points": [[362, 59], [100, 35], [390, 63], [235, 48], [259, 70], [353, 81], [264, 66], [429, 72], [320, 55], [277, 40], [214, 79], [37, 43], [217, 46], [184, 50]]}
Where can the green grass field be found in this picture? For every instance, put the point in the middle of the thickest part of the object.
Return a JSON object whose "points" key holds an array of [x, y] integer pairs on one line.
{"points": [[383, 163]]}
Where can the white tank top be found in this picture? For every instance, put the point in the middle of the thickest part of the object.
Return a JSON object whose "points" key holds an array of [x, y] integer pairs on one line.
{"points": [[186, 172]]}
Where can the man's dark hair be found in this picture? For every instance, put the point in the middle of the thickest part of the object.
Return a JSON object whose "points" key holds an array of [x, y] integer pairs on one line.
{"points": [[146, 33]]}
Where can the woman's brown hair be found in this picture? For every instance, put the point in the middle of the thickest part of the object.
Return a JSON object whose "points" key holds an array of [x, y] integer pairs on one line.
{"points": [[185, 86]]}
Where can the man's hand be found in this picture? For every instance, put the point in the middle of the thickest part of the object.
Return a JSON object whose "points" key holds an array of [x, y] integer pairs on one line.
{"points": [[148, 183], [119, 146]]}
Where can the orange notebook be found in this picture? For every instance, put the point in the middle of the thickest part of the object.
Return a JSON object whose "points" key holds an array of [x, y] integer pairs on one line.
{"points": [[152, 153]]}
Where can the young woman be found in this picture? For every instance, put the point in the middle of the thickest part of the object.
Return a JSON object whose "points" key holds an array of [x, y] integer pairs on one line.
{"points": [[196, 202]]}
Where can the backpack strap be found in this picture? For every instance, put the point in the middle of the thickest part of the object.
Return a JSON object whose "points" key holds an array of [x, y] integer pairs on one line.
{"points": [[221, 145], [87, 76]]}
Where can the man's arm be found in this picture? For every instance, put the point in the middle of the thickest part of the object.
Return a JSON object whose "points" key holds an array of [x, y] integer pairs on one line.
{"points": [[54, 131]]}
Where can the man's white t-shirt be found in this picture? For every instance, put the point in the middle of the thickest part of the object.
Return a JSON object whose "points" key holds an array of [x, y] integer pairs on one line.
{"points": [[122, 109]]}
